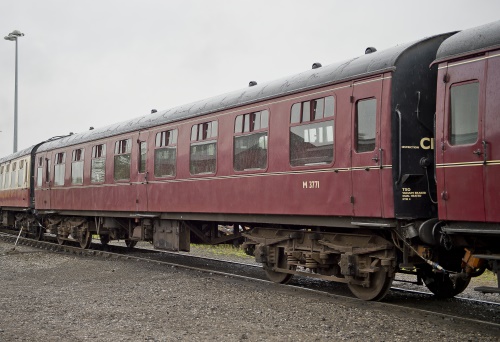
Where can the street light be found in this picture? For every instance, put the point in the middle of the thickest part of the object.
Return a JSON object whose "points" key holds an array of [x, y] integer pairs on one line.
{"points": [[13, 36]]}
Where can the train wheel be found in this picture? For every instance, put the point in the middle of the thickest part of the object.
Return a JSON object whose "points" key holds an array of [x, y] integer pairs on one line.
{"points": [[104, 239], [130, 243], [380, 283], [85, 239], [441, 285], [278, 277]]}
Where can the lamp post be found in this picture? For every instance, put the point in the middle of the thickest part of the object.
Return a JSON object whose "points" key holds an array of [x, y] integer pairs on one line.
{"points": [[13, 36]]}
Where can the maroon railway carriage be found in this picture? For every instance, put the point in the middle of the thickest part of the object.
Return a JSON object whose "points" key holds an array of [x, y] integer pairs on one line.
{"points": [[467, 142], [15, 194], [328, 173]]}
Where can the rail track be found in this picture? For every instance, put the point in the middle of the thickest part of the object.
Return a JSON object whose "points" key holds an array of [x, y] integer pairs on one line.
{"points": [[410, 302]]}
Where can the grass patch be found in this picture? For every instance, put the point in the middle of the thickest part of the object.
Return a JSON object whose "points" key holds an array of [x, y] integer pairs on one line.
{"points": [[227, 250], [488, 275]]}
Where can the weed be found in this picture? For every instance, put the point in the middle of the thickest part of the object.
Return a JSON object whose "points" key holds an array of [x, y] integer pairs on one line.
{"points": [[227, 250]]}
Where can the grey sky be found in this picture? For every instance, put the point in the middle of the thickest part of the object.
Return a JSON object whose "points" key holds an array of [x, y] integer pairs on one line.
{"points": [[93, 63]]}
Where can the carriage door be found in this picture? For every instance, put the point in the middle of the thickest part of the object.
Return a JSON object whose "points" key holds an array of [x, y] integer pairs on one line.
{"points": [[142, 172], [366, 153], [492, 140], [44, 181], [462, 149]]}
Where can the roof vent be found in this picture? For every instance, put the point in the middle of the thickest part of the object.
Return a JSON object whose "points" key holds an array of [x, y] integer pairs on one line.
{"points": [[153, 111], [91, 128], [252, 83], [316, 65], [370, 49]]}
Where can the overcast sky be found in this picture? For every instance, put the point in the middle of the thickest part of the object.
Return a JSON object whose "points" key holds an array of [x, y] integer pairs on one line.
{"points": [[94, 63]]}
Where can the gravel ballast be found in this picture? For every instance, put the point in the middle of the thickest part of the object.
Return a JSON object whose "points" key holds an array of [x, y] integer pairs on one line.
{"points": [[55, 297]]}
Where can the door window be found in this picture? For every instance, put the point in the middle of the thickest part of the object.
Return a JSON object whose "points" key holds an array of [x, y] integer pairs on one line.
{"points": [[366, 125], [39, 172], [464, 113], [143, 147]]}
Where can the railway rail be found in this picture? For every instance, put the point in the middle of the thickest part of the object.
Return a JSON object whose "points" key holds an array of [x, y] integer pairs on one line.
{"points": [[469, 311]]}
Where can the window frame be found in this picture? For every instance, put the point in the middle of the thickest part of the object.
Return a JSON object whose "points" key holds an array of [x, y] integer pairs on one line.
{"points": [[200, 138], [98, 153], [22, 165], [78, 157], [60, 167], [251, 118], [13, 175], [311, 121], [356, 131], [123, 147], [2, 173], [164, 140], [450, 113], [142, 159], [39, 172]]}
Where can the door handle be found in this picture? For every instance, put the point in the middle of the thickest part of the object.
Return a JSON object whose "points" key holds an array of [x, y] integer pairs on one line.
{"points": [[375, 159], [477, 152], [485, 154]]}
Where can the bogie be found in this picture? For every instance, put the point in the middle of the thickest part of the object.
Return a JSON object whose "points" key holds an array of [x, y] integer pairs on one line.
{"points": [[367, 263]]}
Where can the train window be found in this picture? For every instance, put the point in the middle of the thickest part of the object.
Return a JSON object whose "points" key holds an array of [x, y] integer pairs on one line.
{"points": [[311, 132], [203, 158], [77, 166], [47, 171], [123, 146], [194, 133], [166, 153], [251, 122], [13, 174], [204, 131], [166, 138], [39, 172], [250, 150], [1, 177], [7, 177], [295, 117], [317, 107], [77, 155], [98, 165], [238, 124], [329, 107], [59, 168], [165, 159], [122, 159], [203, 152], [365, 125], [143, 147], [99, 151], [464, 113], [21, 174]]}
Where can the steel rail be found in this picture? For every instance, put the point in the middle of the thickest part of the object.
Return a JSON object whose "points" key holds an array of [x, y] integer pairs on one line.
{"points": [[106, 254], [394, 288]]}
